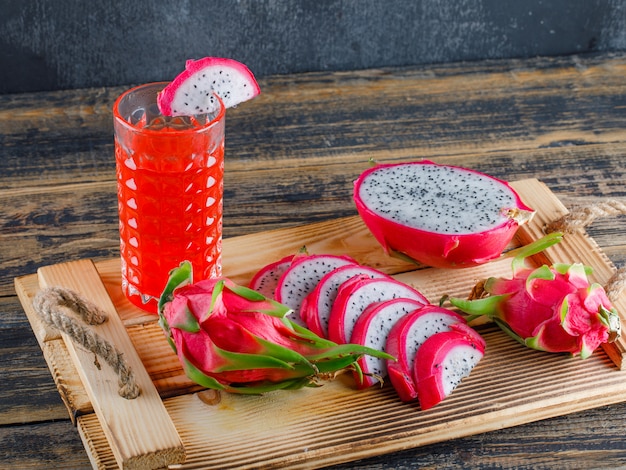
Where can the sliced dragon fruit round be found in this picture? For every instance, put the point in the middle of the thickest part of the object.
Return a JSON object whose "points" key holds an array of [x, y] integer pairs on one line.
{"points": [[372, 329], [444, 360], [302, 276], [266, 279], [193, 91], [356, 294], [405, 339], [317, 305], [439, 215]]}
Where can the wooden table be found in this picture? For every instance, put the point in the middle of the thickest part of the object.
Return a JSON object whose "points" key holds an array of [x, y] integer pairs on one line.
{"points": [[292, 155]]}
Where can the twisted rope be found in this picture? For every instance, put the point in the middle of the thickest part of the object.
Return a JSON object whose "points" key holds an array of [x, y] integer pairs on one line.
{"points": [[616, 284], [53, 305], [583, 216]]}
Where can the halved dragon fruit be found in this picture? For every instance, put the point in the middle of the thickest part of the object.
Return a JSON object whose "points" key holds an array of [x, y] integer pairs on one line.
{"points": [[316, 306], [372, 329], [302, 276], [439, 215], [444, 360], [193, 91], [356, 294], [405, 339]]}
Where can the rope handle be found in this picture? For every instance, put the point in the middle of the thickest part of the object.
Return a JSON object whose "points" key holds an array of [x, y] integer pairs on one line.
{"points": [[53, 306], [584, 215], [581, 217]]}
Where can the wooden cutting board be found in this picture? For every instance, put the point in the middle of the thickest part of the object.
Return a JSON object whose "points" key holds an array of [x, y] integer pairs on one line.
{"points": [[334, 423]]}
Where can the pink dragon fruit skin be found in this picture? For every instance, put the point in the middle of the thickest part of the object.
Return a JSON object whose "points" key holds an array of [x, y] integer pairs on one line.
{"points": [[191, 92], [316, 306], [405, 339], [266, 279], [201, 333], [439, 215], [549, 308], [356, 294], [301, 278], [372, 329], [443, 360], [229, 337]]}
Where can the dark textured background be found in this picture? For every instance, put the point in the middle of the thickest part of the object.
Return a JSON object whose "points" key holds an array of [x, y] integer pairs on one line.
{"points": [[61, 44]]}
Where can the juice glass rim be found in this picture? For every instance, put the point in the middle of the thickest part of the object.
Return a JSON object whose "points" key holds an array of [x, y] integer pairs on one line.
{"points": [[121, 120]]}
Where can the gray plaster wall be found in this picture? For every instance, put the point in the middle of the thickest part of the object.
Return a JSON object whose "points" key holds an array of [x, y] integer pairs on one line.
{"points": [[61, 44]]}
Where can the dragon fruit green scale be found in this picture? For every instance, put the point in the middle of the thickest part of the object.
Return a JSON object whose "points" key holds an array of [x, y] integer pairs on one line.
{"points": [[232, 338], [550, 308]]}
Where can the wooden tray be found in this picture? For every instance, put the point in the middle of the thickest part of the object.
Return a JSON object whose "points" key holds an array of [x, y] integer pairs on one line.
{"points": [[174, 419]]}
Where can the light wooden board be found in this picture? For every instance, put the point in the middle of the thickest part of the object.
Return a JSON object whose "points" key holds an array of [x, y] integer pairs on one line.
{"points": [[336, 423], [139, 430]]}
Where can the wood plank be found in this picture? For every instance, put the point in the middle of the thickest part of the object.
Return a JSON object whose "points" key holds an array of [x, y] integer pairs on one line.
{"points": [[20, 369], [335, 423], [54, 444], [79, 221], [411, 112], [138, 430], [573, 141], [511, 386], [60, 364], [588, 439]]}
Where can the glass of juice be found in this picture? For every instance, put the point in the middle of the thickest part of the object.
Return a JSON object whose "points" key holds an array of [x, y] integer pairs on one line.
{"points": [[170, 187]]}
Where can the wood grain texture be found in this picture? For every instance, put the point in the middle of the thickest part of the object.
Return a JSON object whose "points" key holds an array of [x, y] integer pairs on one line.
{"points": [[292, 155], [138, 430], [557, 119], [335, 423]]}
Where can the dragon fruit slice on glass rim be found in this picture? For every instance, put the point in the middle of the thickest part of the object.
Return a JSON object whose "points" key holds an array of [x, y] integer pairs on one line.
{"points": [[193, 91], [230, 337], [439, 215], [550, 308]]}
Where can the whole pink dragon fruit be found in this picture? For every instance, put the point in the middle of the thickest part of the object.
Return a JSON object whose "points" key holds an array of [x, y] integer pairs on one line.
{"points": [[229, 337], [549, 308], [439, 215]]}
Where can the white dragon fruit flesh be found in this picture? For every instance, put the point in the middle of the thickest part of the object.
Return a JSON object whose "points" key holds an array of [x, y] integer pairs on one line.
{"points": [[316, 306], [444, 360], [372, 329], [266, 279], [302, 276], [439, 215], [193, 91], [405, 339], [356, 294]]}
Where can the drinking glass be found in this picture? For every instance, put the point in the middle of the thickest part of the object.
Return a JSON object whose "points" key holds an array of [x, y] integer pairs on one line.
{"points": [[170, 184]]}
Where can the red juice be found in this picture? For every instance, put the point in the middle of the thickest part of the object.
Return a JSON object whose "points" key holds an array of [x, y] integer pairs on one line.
{"points": [[170, 188]]}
